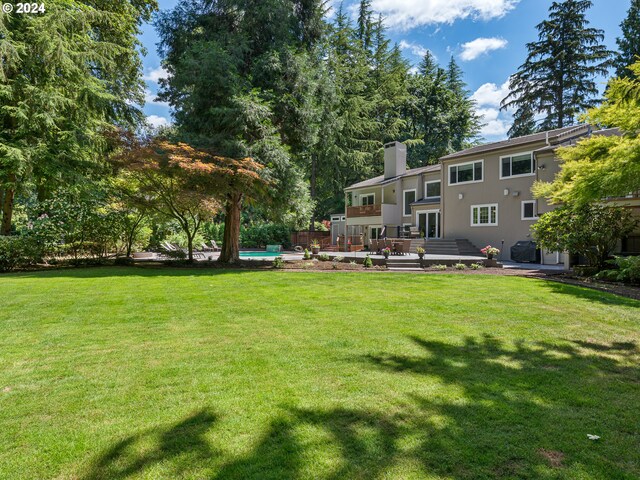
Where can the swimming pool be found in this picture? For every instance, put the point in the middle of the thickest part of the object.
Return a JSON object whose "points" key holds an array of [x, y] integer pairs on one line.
{"points": [[260, 254]]}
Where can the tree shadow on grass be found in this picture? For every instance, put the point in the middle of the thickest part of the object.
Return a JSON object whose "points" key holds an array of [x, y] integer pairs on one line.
{"points": [[128, 271], [591, 294], [182, 445], [480, 409], [524, 410]]}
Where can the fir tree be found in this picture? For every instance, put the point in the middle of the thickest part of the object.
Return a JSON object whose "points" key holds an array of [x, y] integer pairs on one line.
{"points": [[67, 76], [629, 44], [524, 122], [557, 78]]}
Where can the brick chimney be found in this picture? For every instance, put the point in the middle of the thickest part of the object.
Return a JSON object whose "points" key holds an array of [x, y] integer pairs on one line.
{"points": [[395, 159]]}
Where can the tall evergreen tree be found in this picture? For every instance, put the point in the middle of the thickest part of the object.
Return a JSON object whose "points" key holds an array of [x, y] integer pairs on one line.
{"points": [[524, 122], [440, 117], [629, 44], [238, 73], [464, 122], [66, 76], [558, 76], [365, 24]]}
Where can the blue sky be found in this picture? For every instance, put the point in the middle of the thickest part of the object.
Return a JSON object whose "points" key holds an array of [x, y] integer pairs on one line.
{"points": [[487, 38]]}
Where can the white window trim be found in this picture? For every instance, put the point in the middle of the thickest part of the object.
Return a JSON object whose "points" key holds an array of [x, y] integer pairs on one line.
{"points": [[425, 189], [367, 195], [371, 227], [535, 210], [489, 205], [404, 199], [449, 184], [533, 166]]}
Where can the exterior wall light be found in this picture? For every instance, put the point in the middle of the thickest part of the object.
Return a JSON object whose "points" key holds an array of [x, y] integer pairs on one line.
{"points": [[460, 196], [506, 192]]}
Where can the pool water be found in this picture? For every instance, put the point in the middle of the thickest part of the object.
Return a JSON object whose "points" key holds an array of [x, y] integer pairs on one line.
{"points": [[259, 254]]}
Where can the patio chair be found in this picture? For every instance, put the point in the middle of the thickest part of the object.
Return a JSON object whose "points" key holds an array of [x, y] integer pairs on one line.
{"points": [[414, 232], [215, 246], [206, 248], [407, 246], [400, 247], [373, 245]]}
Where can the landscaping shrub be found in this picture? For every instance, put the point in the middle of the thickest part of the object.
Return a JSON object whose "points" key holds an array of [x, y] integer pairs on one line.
{"points": [[307, 254], [368, 263], [590, 230], [323, 257], [460, 266], [258, 235], [18, 252], [439, 267], [627, 271], [261, 235], [77, 222], [278, 262], [476, 266]]}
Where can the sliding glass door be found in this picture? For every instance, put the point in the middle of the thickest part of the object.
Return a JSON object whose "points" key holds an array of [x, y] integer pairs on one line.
{"points": [[429, 223]]}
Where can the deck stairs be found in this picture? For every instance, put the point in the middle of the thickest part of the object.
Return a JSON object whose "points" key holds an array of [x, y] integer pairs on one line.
{"points": [[399, 264], [442, 246]]}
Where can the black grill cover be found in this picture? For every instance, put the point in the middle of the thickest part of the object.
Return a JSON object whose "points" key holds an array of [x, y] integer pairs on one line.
{"points": [[525, 251]]}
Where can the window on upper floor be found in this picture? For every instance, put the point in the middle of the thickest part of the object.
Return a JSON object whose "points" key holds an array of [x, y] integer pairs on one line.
{"points": [[368, 199], [409, 197], [466, 172], [432, 189], [517, 165]]}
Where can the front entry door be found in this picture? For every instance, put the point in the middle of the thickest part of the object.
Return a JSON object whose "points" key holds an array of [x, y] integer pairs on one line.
{"points": [[429, 224]]}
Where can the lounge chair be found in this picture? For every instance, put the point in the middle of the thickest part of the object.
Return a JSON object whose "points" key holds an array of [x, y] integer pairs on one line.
{"points": [[215, 246], [206, 248]]}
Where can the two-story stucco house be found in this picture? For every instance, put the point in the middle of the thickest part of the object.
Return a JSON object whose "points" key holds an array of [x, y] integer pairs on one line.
{"points": [[481, 195]]}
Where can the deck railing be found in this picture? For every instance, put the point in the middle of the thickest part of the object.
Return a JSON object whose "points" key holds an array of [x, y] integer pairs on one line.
{"points": [[364, 211]]}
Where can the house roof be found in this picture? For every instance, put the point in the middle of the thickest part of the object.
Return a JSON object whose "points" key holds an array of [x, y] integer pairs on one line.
{"points": [[607, 132], [427, 201], [380, 180], [553, 137]]}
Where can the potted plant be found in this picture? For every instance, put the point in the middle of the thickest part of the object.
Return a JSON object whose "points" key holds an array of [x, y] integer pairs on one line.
{"points": [[386, 251], [420, 252], [490, 251], [315, 247]]}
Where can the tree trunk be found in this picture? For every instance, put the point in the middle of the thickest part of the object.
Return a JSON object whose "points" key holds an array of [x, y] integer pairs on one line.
{"points": [[7, 207], [190, 247], [231, 238], [312, 191]]}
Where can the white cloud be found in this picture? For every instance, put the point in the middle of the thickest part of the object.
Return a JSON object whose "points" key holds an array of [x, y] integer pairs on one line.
{"points": [[479, 46], [156, 74], [156, 121], [491, 94], [488, 97], [151, 99], [497, 124], [407, 14], [414, 48]]}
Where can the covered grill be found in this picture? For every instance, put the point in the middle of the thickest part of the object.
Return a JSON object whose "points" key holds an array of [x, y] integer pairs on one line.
{"points": [[525, 251]]}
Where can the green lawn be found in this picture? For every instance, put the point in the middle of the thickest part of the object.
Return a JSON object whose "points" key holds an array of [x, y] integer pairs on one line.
{"points": [[138, 373]]}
